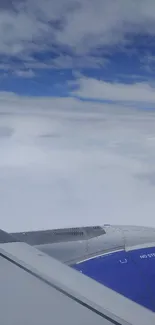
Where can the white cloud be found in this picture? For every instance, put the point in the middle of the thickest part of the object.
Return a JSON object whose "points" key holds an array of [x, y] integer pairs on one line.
{"points": [[101, 90], [81, 24], [24, 73], [66, 163]]}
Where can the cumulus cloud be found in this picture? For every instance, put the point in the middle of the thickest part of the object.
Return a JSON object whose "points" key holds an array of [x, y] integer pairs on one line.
{"points": [[65, 162], [101, 90], [82, 26], [24, 73]]}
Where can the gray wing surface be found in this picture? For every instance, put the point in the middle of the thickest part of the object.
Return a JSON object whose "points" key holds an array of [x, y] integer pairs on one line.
{"points": [[71, 245], [37, 289], [42, 237]]}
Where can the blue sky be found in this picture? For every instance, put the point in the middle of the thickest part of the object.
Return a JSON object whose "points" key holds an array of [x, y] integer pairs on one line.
{"points": [[46, 45], [118, 65], [77, 120]]}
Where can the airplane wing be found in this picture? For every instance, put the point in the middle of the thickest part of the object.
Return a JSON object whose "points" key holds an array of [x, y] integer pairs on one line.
{"points": [[37, 289]]}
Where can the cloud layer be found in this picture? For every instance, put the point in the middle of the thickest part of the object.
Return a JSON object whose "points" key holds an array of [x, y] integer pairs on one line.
{"points": [[66, 163], [76, 160], [92, 88], [76, 29]]}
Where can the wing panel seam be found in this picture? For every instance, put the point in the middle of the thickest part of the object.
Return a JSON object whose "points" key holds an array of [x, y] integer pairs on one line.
{"points": [[84, 304]]}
